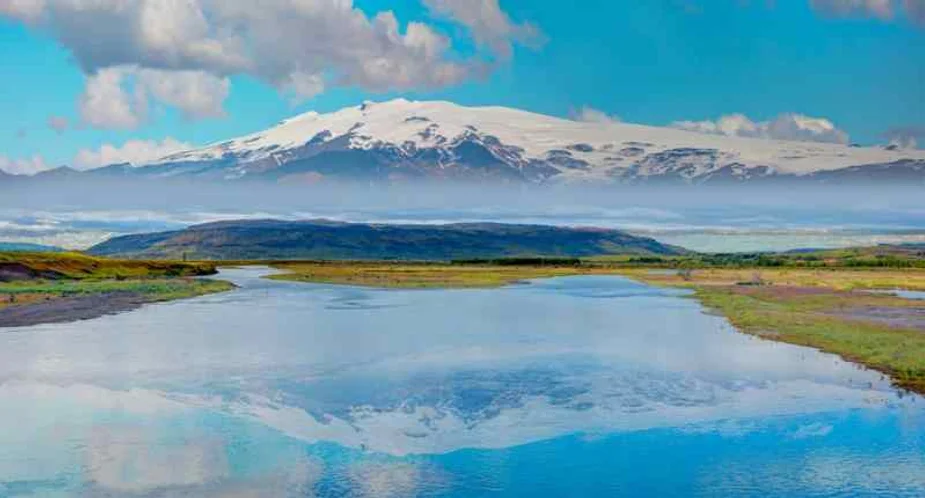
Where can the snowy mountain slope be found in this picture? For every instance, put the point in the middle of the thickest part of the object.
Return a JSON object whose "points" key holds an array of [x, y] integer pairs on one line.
{"points": [[403, 139]]}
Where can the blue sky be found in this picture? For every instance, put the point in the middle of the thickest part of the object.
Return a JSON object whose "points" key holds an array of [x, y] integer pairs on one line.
{"points": [[654, 62]]}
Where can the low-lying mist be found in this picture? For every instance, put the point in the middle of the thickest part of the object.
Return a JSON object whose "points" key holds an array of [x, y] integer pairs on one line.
{"points": [[78, 213]]}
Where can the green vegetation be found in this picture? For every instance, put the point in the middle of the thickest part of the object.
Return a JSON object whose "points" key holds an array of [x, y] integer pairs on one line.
{"points": [[75, 266], [327, 240], [156, 289], [896, 350], [822, 309], [42, 279], [810, 299], [885, 256]]}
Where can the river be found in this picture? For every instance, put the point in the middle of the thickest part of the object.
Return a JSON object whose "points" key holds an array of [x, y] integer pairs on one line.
{"points": [[582, 386]]}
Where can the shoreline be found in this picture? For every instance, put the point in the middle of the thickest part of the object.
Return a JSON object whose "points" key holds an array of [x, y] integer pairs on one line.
{"points": [[828, 309], [832, 312], [72, 309], [824, 309], [41, 288], [53, 306]]}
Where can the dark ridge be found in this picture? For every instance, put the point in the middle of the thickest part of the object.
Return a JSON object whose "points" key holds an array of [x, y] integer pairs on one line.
{"points": [[331, 240]]}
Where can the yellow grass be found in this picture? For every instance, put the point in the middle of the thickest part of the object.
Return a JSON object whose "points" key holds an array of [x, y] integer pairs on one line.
{"points": [[411, 275]]}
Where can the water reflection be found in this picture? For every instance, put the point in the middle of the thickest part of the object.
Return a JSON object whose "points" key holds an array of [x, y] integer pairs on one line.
{"points": [[284, 389]]}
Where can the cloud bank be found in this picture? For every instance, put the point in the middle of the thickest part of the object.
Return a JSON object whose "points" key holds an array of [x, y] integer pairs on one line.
{"points": [[23, 166], [796, 127], [135, 152], [180, 53]]}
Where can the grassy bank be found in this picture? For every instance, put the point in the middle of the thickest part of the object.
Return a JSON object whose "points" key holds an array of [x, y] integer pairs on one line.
{"points": [[155, 290], [53, 287], [823, 309], [425, 275], [23, 266]]}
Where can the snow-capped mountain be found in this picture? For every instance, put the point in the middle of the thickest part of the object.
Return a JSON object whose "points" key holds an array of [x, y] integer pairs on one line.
{"points": [[400, 140]]}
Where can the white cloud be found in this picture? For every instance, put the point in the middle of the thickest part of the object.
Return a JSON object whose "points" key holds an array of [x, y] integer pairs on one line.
{"points": [[489, 24], [106, 103], [26, 166], [119, 97], [592, 115], [797, 127], [181, 52], [881, 9], [58, 123], [304, 85], [136, 152], [197, 94]]}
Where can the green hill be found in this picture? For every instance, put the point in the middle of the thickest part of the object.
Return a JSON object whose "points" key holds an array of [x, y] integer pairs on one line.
{"points": [[326, 240]]}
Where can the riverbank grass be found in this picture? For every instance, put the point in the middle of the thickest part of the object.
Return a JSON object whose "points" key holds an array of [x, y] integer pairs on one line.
{"points": [[827, 310], [425, 275], [36, 280]]}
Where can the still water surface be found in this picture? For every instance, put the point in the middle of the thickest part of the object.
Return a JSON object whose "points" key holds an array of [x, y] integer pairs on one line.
{"points": [[585, 386]]}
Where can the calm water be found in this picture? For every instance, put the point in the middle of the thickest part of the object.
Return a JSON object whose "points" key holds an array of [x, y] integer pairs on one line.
{"points": [[588, 386]]}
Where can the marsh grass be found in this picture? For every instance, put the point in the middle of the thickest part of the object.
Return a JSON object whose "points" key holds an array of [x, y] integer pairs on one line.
{"points": [[812, 307], [896, 351], [795, 305], [425, 275]]}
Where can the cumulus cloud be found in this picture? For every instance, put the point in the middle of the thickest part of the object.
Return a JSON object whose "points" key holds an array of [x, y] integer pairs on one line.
{"points": [[592, 115], [489, 24], [797, 127], [107, 103], [197, 94], [181, 52], [58, 123], [26, 166], [136, 152], [119, 97], [880, 9]]}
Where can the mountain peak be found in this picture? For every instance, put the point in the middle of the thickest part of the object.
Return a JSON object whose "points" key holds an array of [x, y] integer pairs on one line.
{"points": [[401, 139]]}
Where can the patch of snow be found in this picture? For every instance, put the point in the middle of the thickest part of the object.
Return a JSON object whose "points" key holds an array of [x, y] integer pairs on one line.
{"points": [[411, 125]]}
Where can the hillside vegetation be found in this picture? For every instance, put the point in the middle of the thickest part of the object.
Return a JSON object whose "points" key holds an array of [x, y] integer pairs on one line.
{"points": [[326, 240]]}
